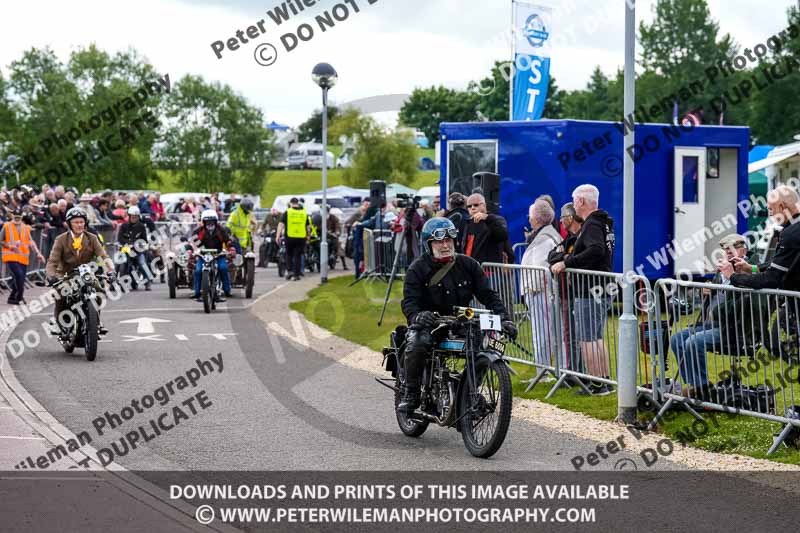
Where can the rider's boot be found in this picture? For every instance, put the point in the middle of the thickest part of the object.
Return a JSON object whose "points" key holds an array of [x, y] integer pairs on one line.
{"points": [[409, 398]]}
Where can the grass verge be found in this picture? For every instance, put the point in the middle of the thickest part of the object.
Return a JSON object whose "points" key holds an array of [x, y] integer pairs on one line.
{"points": [[352, 313]]}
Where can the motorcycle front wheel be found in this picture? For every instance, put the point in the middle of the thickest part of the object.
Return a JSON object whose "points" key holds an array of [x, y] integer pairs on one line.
{"points": [[486, 411], [205, 291], [92, 332]]}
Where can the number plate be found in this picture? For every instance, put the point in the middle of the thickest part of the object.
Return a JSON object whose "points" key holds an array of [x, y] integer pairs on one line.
{"points": [[490, 322], [497, 346]]}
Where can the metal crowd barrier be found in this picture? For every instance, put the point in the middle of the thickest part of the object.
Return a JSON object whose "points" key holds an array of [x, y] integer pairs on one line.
{"points": [[380, 248], [733, 350], [569, 327]]}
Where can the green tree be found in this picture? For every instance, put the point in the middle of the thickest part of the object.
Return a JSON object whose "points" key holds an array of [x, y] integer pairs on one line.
{"points": [[51, 98], [215, 141], [347, 123], [776, 111], [426, 109], [678, 46], [391, 156], [311, 129]]}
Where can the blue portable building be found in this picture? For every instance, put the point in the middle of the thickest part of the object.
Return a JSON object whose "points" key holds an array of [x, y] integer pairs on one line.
{"points": [[688, 180]]}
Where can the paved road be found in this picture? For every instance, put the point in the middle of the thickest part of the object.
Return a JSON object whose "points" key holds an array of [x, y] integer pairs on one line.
{"points": [[307, 412]]}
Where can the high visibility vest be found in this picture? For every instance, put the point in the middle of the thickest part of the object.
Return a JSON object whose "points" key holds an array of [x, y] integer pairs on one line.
{"points": [[22, 240], [296, 223], [239, 224]]}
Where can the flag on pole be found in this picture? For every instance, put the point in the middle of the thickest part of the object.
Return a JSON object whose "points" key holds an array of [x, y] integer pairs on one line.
{"points": [[532, 34], [675, 113]]}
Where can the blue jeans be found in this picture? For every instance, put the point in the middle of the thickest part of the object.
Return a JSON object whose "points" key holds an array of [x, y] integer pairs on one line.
{"points": [[690, 346], [222, 266], [141, 262]]}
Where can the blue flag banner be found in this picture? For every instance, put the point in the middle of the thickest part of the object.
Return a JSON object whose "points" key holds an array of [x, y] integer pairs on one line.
{"points": [[532, 37], [531, 79]]}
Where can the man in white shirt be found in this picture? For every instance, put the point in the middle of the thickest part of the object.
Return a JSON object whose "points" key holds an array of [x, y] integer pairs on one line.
{"points": [[532, 282]]}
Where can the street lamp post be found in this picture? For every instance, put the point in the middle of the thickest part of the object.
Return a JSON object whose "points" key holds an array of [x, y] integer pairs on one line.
{"points": [[629, 351], [326, 77]]}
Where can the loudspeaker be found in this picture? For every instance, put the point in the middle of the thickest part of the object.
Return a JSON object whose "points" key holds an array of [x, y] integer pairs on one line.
{"points": [[377, 192], [488, 184]]}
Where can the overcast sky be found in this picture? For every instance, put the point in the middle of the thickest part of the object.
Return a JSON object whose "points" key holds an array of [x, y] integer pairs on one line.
{"points": [[389, 47]]}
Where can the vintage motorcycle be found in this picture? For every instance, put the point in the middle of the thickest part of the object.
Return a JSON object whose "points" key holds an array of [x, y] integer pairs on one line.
{"points": [[210, 282], [83, 328], [466, 382], [268, 250]]}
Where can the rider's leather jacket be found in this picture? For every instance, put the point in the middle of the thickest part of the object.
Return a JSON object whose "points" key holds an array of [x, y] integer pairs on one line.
{"points": [[129, 233], [465, 280], [217, 240]]}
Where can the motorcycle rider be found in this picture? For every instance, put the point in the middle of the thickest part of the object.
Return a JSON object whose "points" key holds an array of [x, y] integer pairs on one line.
{"points": [[436, 281], [131, 232], [241, 223], [268, 227], [73, 248], [211, 235]]}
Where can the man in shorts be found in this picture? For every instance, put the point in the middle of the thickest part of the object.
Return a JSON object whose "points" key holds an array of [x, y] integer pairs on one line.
{"points": [[594, 250]]}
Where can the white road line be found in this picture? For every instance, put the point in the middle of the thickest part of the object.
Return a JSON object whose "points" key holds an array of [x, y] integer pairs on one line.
{"points": [[21, 438], [181, 337]]}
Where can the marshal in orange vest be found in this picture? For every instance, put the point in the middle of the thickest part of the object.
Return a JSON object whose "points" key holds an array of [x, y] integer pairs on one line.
{"points": [[17, 243]]}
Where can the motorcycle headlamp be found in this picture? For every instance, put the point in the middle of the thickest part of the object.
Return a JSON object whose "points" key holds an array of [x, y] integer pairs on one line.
{"points": [[238, 260], [87, 278], [208, 258], [182, 259]]}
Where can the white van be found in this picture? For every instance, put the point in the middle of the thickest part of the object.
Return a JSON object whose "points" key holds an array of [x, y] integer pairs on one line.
{"points": [[308, 155]]}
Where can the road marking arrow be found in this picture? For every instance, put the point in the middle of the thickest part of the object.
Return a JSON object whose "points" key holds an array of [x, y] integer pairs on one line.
{"points": [[145, 324]]}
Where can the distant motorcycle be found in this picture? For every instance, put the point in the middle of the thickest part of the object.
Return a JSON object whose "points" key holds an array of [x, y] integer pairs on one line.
{"points": [[84, 328], [268, 250]]}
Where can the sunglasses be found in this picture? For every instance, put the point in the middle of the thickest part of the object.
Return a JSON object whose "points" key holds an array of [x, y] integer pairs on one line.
{"points": [[443, 233], [470, 206]]}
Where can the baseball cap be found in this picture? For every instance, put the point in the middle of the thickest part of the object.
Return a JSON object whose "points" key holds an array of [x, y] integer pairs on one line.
{"points": [[730, 241]]}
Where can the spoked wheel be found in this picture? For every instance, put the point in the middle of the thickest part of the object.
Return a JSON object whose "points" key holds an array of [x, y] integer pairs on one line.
{"points": [[205, 290], [487, 411], [409, 427], [92, 332]]}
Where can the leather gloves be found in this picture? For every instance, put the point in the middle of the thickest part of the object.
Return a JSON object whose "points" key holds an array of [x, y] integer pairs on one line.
{"points": [[509, 329], [425, 319]]}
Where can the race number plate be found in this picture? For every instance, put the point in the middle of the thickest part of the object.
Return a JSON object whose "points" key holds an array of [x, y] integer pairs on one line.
{"points": [[497, 346], [490, 322]]}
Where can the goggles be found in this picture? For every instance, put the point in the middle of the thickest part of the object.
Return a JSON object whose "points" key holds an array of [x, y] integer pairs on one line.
{"points": [[441, 234]]}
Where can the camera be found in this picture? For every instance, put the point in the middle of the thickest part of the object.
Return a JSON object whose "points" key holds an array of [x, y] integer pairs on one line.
{"points": [[406, 200]]}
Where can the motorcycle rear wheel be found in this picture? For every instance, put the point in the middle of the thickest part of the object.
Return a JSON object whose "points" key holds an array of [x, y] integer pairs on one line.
{"points": [[410, 428], [485, 417]]}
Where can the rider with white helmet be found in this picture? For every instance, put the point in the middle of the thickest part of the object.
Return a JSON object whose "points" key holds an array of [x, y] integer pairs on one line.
{"points": [[132, 237], [211, 234]]}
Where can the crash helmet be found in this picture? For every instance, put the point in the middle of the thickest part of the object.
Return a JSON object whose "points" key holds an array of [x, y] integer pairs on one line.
{"points": [[133, 211], [76, 212], [208, 215], [247, 205], [437, 229]]}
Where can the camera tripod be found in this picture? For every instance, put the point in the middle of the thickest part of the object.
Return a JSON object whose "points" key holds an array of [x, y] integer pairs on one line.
{"points": [[408, 240]]}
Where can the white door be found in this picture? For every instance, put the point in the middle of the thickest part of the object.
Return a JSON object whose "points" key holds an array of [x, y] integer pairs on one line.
{"points": [[690, 208]]}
